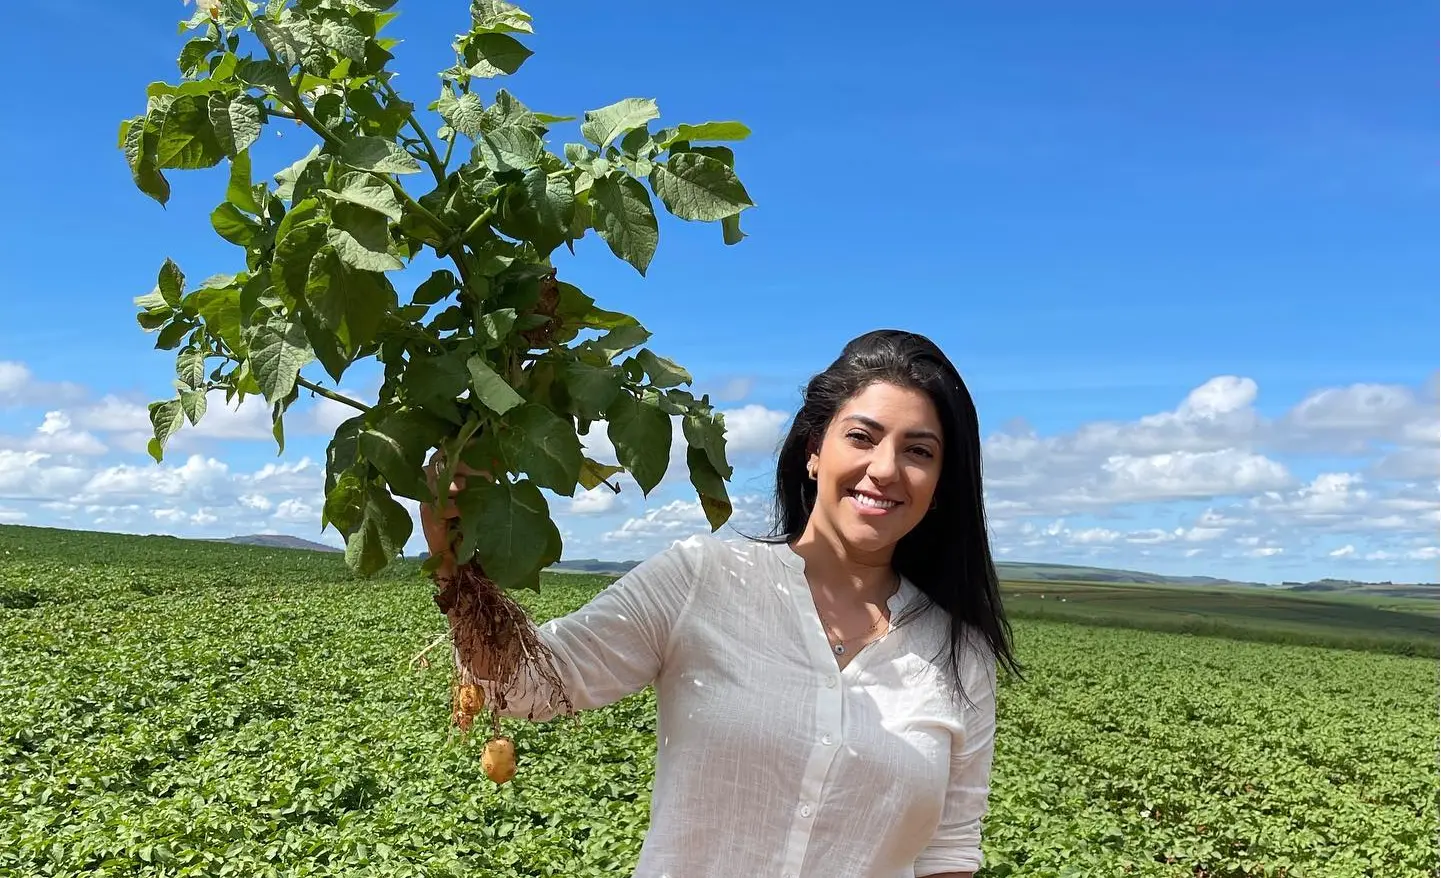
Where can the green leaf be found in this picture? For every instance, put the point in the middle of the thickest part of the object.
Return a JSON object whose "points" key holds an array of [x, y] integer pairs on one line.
{"points": [[592, 389], [507, 528], [234, 226], [278, 349], [351, 303], [434, 382], [625, 219], [292, 38], [593, 474], [277, 426], [508, 112], [577, 308], [709, 487], [219, 307], [509, 149], [345, 503], [698, 187], [379, 155], [265, 74], [299, 236], [343, 39], [173, 334], [706, 431], [236, 122], [494, 328], [731, 229], [397, 447], [491, 389], [543, 446], [187, 139], [641, 434], [662, 372], [361, 237], [288, 180], [546, 211], [192, 402], [606, 124], [618, 341], [440, 284], [165, 417], [465, 114], [341, 451], [705, 131], [385, 526], [239, 190], [194, 53], [140, 137], [490, 55], [497, 16], [190, 367], [171, 283], [367, 190]]}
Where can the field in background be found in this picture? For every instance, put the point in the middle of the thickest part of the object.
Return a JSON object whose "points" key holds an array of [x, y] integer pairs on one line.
{"points": [[174, 707]]}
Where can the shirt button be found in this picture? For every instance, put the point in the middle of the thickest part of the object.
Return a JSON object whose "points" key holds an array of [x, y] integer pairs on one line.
{"points": [[805, 810], [830, 682], [827, 740]]}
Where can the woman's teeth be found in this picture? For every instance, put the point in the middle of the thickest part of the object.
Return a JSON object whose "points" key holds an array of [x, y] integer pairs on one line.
{"points": [[867, 500]]}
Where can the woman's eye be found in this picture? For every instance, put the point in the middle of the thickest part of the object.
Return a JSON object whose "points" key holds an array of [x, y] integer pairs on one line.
{"points": [[858, 437], [924, 452]]}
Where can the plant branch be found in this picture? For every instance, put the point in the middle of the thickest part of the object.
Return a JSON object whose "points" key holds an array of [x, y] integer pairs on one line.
{"points": [[437, 167], [284, 114], [449, 148], [331, 395]]}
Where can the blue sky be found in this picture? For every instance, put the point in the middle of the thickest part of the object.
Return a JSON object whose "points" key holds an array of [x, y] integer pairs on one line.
{"points": [[1183, 253]]}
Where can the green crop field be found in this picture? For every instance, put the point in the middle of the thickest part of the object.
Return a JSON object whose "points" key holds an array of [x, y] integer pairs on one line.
{"points": [[180, 708]]}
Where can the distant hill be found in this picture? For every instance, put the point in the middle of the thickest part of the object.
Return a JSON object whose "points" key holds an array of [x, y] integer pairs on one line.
{"points": [[279, 541], [1018, 571]]}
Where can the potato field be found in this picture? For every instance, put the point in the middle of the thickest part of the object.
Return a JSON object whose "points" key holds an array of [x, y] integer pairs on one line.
{"points": [[183, 708]]}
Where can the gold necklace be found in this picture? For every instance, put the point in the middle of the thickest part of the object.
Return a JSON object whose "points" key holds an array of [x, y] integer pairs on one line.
{"points": [[838, 645]]}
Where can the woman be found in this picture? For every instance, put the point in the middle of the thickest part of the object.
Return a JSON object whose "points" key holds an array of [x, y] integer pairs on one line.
{"points": [[826, 696]]}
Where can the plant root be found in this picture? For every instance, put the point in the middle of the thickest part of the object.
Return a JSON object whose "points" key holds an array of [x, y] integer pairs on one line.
{"points": [[497, 651]]}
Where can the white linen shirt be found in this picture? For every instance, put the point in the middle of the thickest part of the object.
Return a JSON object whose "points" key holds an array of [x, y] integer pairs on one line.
{"points": [[770, 759]]}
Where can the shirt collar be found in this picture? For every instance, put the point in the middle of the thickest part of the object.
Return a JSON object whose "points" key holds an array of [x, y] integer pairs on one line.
{"points": [[895, 603]]}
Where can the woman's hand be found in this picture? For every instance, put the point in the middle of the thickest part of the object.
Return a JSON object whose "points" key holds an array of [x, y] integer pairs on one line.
{"points": [[435, 518]]}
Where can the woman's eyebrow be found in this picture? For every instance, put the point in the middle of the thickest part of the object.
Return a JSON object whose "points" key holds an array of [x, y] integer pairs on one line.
{"points": [[877, 426]]}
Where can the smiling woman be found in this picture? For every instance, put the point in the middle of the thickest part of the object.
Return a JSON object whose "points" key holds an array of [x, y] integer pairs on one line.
{"points": [[827, 695]]}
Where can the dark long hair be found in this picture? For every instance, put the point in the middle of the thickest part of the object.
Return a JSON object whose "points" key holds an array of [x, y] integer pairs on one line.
{"points": [[948, 554]]}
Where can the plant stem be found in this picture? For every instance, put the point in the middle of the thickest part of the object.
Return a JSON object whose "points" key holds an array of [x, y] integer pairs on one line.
{"points": [[331, 395], [303, 113], [432, 156], [271, 111]]}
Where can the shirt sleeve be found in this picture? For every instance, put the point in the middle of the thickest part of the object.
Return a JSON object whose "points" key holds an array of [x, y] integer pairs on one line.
{"points": [[615, 644], [956, 845]]}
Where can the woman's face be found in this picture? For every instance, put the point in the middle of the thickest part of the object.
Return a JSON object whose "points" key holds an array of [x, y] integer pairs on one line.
{"points": [[877, 468]]}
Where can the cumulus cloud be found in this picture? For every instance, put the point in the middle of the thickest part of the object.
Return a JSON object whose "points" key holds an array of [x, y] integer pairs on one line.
{"points": [[677, 519], [19, 387]]}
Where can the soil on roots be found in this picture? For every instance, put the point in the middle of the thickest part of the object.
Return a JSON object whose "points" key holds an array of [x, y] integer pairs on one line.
{"points": [[493, 643]]}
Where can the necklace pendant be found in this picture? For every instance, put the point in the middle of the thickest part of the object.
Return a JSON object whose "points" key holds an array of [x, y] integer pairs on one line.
{"points": [[840, 649]]}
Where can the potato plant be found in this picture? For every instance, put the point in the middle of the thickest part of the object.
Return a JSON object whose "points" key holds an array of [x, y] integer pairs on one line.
{"points": [[492, 364]]}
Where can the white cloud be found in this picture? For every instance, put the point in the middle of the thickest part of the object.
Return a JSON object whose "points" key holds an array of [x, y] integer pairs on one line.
{"points": [[1345, 551], [596, 502], [659, 526], [11, 516], [18, 387], [295, 510], [1266, 551]]}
